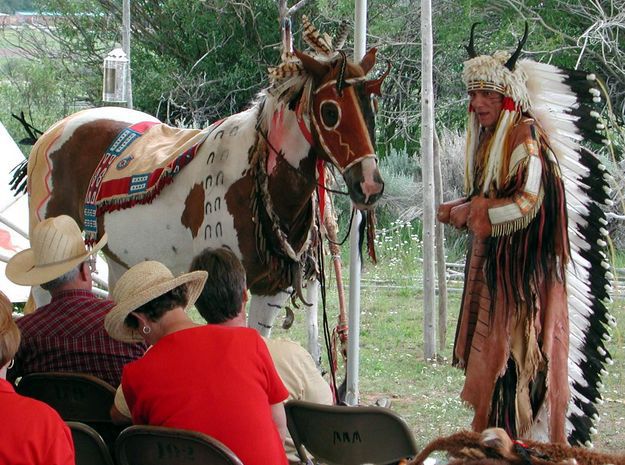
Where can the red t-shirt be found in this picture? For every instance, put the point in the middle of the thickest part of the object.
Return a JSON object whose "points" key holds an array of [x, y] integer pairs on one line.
{"points": [[218, 380], [31, 432]]}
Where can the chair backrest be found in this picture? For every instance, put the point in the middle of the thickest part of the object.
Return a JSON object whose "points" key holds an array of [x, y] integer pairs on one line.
{"points": [[76, 396], [89, 445], [349, 435], [157, 445]]}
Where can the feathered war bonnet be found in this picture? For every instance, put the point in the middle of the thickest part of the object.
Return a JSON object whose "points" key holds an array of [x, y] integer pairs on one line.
{"points": [[563, 103], [499, 73]]}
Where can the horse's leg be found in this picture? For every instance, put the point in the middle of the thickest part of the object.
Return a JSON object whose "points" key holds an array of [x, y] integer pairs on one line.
{"points": [[312, 324], [116, 270], [264, 309]]}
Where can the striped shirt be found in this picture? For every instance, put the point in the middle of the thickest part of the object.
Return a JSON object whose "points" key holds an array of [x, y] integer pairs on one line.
{"points": [[68, 335]]}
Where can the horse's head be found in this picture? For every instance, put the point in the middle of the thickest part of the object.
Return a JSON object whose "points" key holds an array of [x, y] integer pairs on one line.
{"points": [[342, 114]]}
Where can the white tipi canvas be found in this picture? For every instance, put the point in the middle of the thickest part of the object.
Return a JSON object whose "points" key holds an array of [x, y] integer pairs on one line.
{"points": [[13, 216], [14, 223]]}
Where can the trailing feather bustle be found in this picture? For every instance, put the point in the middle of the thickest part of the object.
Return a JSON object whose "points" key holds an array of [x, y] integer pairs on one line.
{"points": [[562, 102]]}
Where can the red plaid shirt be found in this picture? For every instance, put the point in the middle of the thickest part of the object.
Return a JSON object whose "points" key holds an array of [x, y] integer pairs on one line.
{"points": [[68, 335]]}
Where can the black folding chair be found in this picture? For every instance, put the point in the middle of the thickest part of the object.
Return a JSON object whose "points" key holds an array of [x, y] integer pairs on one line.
{"points": [[157, 445], [77, 397], [89, 446], [340, 435]]}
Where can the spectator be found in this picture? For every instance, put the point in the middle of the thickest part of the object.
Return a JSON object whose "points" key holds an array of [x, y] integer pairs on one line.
{"points": [[31, 432], [68, 333], [216, 380], [222, 302]]}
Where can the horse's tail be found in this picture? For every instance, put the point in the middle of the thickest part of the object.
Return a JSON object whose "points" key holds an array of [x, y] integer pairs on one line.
{"points": [[18, 180]]}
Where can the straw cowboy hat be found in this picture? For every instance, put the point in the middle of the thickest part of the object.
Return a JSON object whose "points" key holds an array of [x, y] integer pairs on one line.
{"points": [[144, 282], [57, 246]]}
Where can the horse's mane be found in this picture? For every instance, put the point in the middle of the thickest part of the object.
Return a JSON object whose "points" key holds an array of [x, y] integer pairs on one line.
{"points": [[290, 82], [290, 86]]}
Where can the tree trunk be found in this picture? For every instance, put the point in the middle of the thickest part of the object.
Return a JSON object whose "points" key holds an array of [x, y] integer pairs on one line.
{"points": [[126, 48], [440, 250], [427, 146]]}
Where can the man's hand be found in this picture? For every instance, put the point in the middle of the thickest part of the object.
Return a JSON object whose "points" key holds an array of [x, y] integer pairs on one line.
{"points": [[444, 210], [478, 221], [459, 214]]}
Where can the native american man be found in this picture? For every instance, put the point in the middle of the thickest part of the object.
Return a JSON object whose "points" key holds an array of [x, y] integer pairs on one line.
{"points": [[512, 337]]}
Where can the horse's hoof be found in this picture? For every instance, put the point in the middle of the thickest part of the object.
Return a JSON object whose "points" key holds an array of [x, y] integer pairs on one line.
{"points": [[288, 319]]}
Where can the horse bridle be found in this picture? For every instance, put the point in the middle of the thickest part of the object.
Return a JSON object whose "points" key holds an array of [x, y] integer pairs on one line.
{"points": [[339, 87]]}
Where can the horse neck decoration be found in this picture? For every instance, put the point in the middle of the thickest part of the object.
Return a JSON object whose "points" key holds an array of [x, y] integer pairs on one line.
{"points": [[247, 185]]}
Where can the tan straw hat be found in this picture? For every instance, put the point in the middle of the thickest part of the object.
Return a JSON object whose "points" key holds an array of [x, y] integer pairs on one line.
{"points": [[144, 282], [57, 246]]}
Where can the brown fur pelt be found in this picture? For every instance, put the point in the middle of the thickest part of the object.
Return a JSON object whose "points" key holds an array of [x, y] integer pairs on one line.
{"points": [[494, 447]]}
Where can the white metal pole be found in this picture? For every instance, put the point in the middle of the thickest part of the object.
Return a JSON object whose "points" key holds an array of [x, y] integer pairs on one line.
{"points": [[126, 48], [353, 341]]}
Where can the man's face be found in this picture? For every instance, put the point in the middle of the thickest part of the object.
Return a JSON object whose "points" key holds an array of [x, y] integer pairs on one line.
{"points": [[487, 105]]}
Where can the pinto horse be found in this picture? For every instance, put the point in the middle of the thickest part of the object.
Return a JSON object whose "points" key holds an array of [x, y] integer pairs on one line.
{"points": [[248, 183]]}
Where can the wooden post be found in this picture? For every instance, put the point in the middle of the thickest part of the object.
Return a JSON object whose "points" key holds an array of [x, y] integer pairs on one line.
{"points": [[441, 271], [427, 148], [126, 49]]}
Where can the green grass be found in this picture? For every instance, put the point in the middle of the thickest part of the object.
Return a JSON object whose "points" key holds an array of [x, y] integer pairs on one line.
{"points": [[392, 363], [391, 351]]}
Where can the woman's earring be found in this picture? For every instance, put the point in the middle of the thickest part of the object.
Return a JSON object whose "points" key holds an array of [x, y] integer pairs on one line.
{"points": [[146, 330], [11, 364]]}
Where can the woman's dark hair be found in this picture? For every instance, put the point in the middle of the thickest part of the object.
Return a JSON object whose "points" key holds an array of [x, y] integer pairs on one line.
{"points": [[222, 296], [157, 307]]}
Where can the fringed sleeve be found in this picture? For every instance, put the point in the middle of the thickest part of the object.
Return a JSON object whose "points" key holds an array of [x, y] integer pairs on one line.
{"points": [[511, 214], [528, 242]]}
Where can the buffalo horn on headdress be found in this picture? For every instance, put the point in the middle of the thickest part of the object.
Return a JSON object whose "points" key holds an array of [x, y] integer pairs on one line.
{"points": [[515, 56], [471, 47]]}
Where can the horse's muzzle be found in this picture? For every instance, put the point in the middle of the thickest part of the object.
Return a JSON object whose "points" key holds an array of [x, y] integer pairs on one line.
{"points": [[365, 188]]}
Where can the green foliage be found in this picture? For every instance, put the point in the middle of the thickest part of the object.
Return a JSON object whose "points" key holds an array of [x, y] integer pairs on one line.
{"points": [[11, 6], [199, 60], [37, 90], [195, 61], [427, 395], [220, 60]]}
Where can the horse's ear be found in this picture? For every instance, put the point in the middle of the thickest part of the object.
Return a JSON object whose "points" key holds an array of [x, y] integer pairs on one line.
{"points": [[368, 60], [312, 66], [375, 86]]}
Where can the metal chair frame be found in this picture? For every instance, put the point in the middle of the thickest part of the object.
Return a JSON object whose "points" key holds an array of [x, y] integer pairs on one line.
{"points": [[89, 446], [158, 445], [77, 397], [343, 435]]}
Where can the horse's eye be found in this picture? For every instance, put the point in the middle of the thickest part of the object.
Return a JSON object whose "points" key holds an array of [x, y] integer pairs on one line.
{"points": [[330, 114]]}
